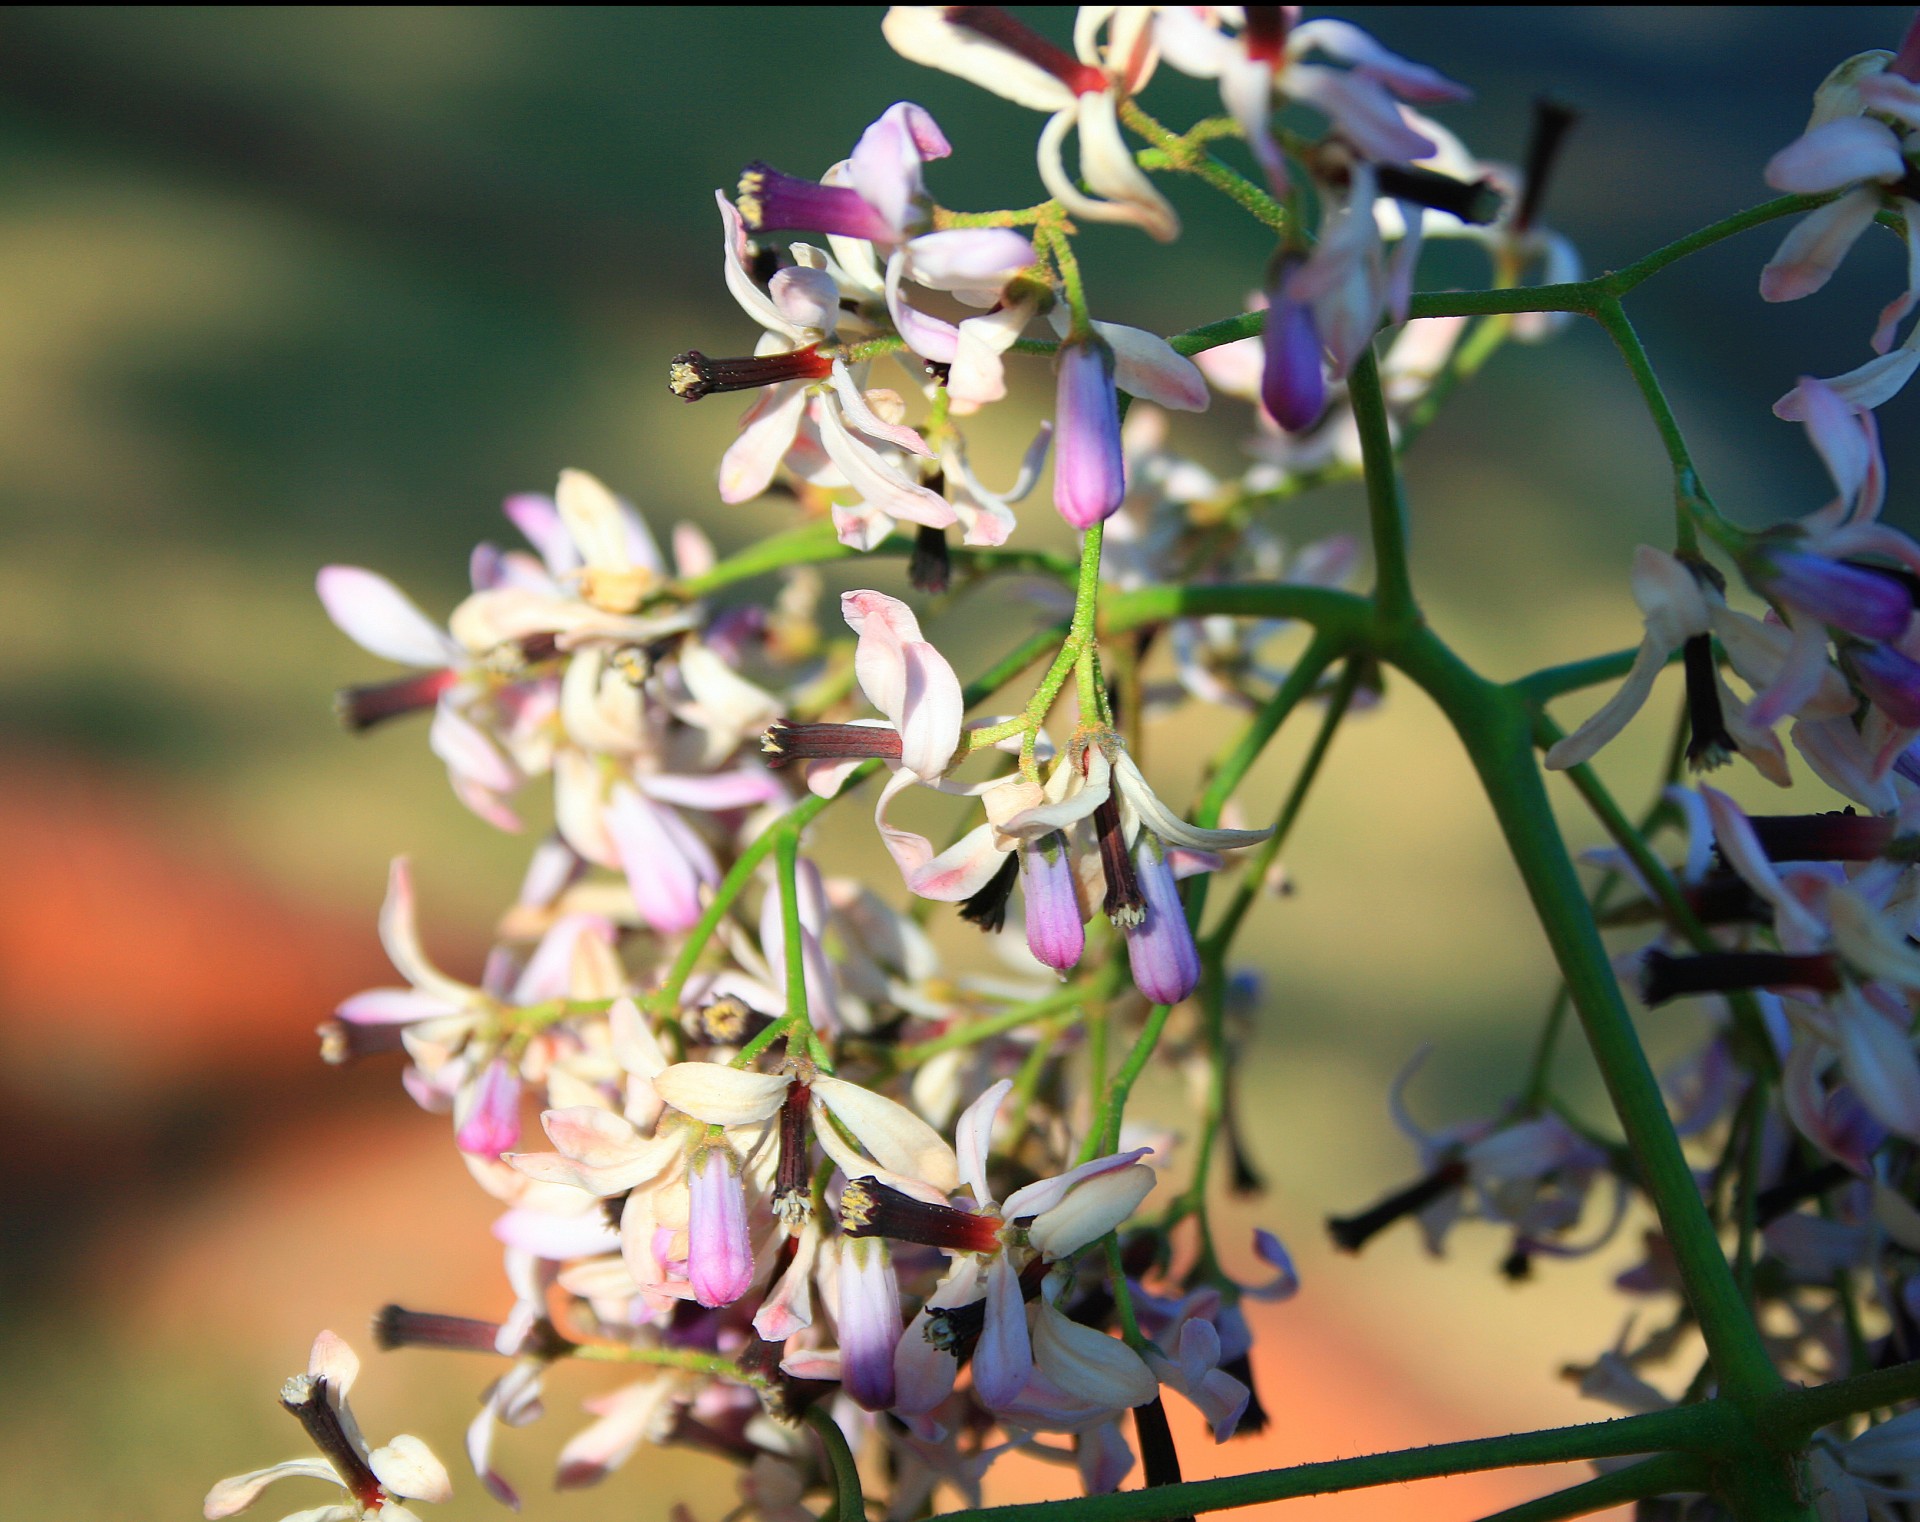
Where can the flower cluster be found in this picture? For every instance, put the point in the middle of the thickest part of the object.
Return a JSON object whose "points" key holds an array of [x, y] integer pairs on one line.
{"points": [[815, 1156]]}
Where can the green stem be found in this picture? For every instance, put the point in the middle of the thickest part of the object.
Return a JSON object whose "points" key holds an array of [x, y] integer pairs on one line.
{"points": [[1792, 1416], [1623, 280], [1697, 1427], [659, 1358], [799, 1019], [1386, 503], [1496, 729], [1185, 156], [972, 1032], [1103, 1135], [1666, 1473], [1689, 498], [849, 1504]]}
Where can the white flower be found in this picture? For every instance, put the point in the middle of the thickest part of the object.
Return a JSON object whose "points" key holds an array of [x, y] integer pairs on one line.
{"points": [[376, 1481]]}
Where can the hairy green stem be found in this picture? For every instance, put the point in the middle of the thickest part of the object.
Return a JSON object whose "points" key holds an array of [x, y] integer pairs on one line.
{"points": [[1662, 1475]]}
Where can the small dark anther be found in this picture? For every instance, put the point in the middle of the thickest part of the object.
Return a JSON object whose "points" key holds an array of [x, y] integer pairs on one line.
{"points": [[988, 907]]}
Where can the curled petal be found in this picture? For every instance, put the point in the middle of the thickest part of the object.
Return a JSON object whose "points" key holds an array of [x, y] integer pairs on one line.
{"points": [[923, 35], [973, 1139], [1089, 1365], [1836, 153], [767, 432], [1863, 388], [1037, 1198], [722, 1096], [1615, 714], [240, 1491], [1099, 1205], [879, 484]]}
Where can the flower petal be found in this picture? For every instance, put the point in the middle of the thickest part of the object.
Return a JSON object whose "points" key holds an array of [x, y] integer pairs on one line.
{"points": [[722, 1096], [378, 616], [893, 1135], [407, 1467]]}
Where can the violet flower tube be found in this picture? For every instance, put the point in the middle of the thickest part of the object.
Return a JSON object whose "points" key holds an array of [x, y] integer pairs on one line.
{"points": [[1056, 935], [1089, 469], [1843, 596], [1160, 949], [869, 1320], [1293, 381]]}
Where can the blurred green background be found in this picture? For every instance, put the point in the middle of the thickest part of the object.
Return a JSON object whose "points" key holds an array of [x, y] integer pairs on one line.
{"points": [[284, 287]]}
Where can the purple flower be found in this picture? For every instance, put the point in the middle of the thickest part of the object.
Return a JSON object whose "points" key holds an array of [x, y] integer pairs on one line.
{"points": [[1056, 934], [1293, 383], [1890, 681], [1089, 470], [1843, 596], [869, 1320], [1160, 949]]}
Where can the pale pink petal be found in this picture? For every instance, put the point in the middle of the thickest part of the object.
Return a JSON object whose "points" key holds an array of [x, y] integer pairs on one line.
{"points": [[1616, 713], [1147, 366], [1834, 154], [538, 519], [1865, 387], [393, 1006], [767, 431], [1037, 1198], [922, 34], [973, 1139], [332, 1360], [379, 617], [242, 1490], [664, 862], [744, 787], [1089, 1210], [470, 752], [555, 1236], [930, 337], [1799, 677], [1879, 1062], [853, 403], [879, 485], [1003, 1359], [1347, 43], [400, 935], [1815, 245]]}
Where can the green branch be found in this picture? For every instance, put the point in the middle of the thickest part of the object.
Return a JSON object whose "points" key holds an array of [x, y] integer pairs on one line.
{"points": [[849, 1504], [1662, 1475], [1698, 1428], [1386, 503]]}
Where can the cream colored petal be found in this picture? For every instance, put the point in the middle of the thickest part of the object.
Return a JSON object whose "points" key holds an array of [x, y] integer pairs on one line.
{"points": [[722, 1096], [240, 1491], [407, 1467], [592, 515], [897, 1139], [1089, 1365]]}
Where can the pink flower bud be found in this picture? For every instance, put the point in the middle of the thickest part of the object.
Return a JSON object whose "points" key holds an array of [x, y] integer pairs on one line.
{"points": [[492, 1124], [719, 1253], [1160, 949], [1089, 470]]}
